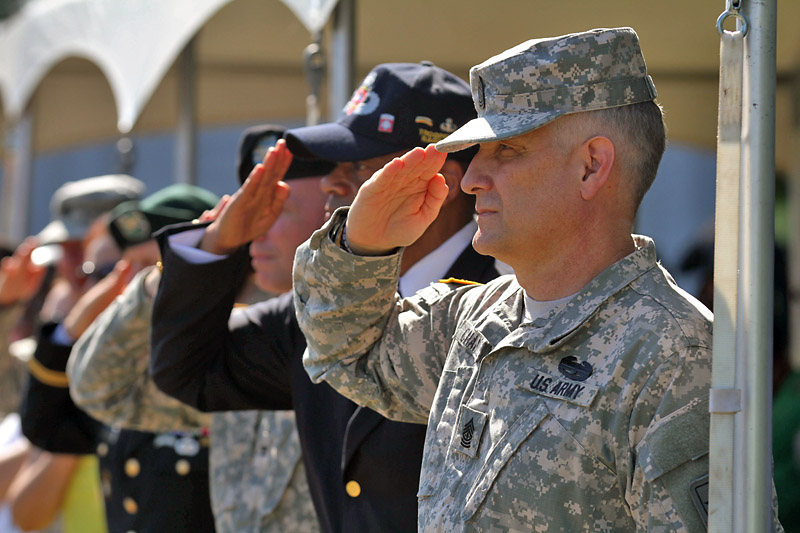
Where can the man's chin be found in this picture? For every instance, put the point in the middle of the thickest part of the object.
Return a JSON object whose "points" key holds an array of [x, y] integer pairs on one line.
{"points": [[269, 286], [482, 243]]}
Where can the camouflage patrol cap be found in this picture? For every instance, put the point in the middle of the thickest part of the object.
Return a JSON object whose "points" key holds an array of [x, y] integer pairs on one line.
{"points": [[534, 83], [76, 204]]}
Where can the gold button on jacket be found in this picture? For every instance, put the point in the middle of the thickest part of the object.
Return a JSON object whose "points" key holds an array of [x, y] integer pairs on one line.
{"points": [[353, 489]]}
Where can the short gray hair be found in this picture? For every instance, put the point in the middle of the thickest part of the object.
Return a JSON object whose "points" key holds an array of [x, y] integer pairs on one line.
{"points": [[639, 136]]}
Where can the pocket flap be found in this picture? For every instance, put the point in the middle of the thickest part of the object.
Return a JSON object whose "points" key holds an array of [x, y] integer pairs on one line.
{"points": [[500, 454]]}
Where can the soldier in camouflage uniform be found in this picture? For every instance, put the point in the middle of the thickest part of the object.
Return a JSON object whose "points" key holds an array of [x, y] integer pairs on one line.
{"points": [[258, 480], [252, 487], [573, 396]]}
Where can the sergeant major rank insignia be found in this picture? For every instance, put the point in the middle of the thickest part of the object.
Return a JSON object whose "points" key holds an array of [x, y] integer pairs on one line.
{"points": [[467, 434]]}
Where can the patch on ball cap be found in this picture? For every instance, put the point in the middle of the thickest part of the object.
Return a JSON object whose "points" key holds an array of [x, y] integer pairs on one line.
{"points": [[133, 226]]}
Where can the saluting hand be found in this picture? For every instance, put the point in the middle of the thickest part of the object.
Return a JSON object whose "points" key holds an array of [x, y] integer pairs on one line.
{"points": [[20, 278], [253, 209], [398, 203]]}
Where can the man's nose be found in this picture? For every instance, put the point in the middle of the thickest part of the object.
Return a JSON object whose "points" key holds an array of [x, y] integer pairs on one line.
{"points": [[476, 177], [333, 186], [470, 183]]}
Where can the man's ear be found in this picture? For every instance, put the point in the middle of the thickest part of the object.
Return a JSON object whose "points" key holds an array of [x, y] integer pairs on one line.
{"points": [[452, 172], [598, 155]]}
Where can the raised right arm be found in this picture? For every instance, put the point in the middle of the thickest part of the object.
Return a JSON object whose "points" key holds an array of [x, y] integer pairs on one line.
{"points": [[208, 357]]}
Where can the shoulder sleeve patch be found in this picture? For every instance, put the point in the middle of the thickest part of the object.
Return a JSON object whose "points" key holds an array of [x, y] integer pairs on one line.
{"points": [[699, 492]]}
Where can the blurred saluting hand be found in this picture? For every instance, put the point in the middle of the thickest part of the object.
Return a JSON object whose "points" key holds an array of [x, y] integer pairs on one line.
{"points": [[254, 208]]}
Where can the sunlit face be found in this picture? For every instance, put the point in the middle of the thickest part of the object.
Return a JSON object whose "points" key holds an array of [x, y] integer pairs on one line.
{"points": [[273, 253], [342, 184], [523, 195], [143, 254], [69, 267]]}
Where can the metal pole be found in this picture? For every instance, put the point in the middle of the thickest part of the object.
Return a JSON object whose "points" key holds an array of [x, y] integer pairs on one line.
{"points": [[17, 178], [753, 447], [186, 133], [342, 64], [793, 255]]}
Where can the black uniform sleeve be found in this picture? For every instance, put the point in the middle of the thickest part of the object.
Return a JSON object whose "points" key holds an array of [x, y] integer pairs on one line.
{"points": [[50, 419], [208, 357]]}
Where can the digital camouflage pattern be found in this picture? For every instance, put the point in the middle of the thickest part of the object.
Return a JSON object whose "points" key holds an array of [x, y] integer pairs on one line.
{"points": [[258, 481], [593, 418], [12, 371], [108, 369], [539, 80]]}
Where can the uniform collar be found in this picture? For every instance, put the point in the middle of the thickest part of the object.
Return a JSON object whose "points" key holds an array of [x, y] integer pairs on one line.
{"points": [[435, 265], [549, 332]]}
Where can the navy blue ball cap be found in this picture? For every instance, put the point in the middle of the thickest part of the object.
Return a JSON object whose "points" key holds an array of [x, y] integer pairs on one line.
{"points": [[253, 146], [398, 106]]}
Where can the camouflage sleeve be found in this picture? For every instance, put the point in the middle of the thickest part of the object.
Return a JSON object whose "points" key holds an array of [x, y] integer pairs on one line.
{"points": [[372, 347], [669, 430], [108, 369], [12, 370]]}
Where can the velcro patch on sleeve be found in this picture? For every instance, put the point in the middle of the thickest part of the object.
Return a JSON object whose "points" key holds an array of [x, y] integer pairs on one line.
{"points": [[699, 491]]}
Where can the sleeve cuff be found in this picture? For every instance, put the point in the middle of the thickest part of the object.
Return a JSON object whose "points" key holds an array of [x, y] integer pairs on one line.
{"points": [[60, 336], [184, 244]]}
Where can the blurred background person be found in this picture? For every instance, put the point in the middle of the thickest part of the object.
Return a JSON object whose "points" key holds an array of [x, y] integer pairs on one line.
{"points": [[131, 463], [40, 282]]}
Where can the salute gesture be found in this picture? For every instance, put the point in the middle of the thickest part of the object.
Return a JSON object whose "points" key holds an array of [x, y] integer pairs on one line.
{"points": [[254, 208], [20, 277], [398, 203]]}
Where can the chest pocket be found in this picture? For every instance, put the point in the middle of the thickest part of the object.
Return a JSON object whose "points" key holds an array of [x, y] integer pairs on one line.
{"points": [[501, 452]]}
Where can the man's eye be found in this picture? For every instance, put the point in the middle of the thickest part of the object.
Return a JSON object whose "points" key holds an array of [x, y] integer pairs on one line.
{"points": [[360, 167]]}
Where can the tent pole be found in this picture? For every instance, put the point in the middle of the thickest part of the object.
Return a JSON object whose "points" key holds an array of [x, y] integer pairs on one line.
{"points": [[17, 178], [793, 244], [186, 134], [341, 70], [753, 448]]}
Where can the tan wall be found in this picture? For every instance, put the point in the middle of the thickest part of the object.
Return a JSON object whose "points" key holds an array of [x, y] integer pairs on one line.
{"points": [[249, 60]]}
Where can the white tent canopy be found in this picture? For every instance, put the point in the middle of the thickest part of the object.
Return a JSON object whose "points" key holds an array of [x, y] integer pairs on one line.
{"points": [[133, 56]]}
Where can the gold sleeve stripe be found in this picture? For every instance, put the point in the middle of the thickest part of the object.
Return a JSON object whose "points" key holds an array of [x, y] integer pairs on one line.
{"points": [[459, 281], [49, 377]]}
